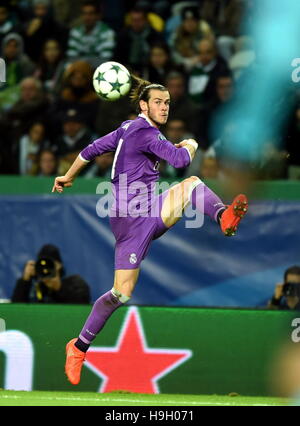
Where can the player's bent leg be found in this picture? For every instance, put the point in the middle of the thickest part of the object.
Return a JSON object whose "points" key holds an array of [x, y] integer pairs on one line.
{"points": [[204, 200], [103, 308], [228, 217], [177, 199]]}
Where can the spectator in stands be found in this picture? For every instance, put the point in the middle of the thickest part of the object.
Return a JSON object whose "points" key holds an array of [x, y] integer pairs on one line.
{"points": [[184, 41], [76, 136], [31, 107], [7, 23], [224, 89], [40, 28], [225, 16], [47, 163], [44, 281], [18, 65], [135, 41], [29, 147], [77, 93], [160, 64], [175, 19], [287, 294], [93, 38], [66, 12], [182, 107], [214, 116], [243, 57], [155, 20], [157, 7], [50, 60], [202, 81]]}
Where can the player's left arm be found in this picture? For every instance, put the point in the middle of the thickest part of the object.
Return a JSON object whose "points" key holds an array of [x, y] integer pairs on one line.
{"points": [[190, 144], [180, 155]]}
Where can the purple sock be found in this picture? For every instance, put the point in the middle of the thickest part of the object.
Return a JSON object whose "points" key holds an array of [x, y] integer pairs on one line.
{"points": [[206, 201], [102, 310]]}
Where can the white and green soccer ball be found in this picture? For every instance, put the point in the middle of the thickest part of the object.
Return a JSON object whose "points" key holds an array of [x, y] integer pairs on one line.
{"points": [[111, 81]]}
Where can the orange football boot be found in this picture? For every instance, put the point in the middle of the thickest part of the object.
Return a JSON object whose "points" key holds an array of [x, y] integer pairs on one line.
{"points": [[233, 215], [74, 362]]}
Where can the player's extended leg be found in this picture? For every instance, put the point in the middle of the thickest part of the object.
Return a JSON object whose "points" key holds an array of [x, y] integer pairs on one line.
{"points": [[124, 283], [193, 190]]}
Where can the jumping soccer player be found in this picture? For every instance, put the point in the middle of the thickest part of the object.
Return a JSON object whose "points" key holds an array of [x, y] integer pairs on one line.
{"points": [[139, 146]]}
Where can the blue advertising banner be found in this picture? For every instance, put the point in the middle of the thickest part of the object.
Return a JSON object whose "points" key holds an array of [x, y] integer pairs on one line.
{"points": [[185, 267]]}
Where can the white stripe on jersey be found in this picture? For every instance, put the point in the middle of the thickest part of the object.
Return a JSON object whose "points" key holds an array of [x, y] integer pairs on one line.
{"points": [[116, 157]]}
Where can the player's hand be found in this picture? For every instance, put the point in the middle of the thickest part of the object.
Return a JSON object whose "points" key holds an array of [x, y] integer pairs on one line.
{"points": [[29, 270], [181, 144], [278, 291], [185, 143], [62, 182]]}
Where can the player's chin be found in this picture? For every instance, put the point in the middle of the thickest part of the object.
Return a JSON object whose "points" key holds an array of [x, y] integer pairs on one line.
{"points": [[164, 119]]}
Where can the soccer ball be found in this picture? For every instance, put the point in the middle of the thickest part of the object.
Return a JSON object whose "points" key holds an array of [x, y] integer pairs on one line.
{"points": [[111, 81]]}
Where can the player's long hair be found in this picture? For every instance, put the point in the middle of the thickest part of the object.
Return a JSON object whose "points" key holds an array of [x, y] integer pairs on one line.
{"points": [[141, 91]]}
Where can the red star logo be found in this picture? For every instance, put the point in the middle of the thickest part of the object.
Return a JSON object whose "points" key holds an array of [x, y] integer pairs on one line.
{"points": [[131, 365]]}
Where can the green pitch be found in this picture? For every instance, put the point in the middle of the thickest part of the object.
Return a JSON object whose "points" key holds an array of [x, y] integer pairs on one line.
{"points": [[10, 398]]}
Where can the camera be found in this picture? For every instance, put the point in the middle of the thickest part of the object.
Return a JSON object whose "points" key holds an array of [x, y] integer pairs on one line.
{"points": [[45, 268], [291, 289]]}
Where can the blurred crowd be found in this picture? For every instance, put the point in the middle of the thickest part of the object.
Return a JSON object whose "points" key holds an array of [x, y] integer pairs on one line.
{"points": [[198, 49]]}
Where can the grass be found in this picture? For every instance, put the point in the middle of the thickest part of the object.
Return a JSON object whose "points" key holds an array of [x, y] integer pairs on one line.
{"points": [[12, 398]]}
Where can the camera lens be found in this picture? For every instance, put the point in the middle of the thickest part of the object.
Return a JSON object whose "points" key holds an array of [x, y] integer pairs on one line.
{"points": [[45, 268], [291, 289]]}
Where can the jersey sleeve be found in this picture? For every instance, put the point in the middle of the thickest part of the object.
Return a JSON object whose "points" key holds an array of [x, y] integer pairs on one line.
{"points": [[107, 143], [165, 150]]}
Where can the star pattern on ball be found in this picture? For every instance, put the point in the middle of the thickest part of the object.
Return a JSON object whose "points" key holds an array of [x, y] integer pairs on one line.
{"points": [[111, 81], [116, 86], [115, 68], [99, 77]]}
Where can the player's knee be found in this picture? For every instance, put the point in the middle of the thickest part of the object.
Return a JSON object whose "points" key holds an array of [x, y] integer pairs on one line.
{"points": [[193, 179], [191, 182], [124, 287], [125, 281]]}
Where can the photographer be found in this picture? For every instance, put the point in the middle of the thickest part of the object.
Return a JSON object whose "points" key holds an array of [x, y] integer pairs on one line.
{"points": [[287, 295], [43, 281]]}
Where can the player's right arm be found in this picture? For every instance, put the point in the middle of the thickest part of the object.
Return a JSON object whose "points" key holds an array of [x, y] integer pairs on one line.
{"points": [[107, 143], [66, 181]]}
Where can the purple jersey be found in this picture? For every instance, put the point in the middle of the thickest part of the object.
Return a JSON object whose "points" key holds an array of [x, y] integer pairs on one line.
{"points": [[138, 148]]}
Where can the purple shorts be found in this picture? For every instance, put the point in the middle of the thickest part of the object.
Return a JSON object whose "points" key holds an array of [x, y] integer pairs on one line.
{"points": [[134, 236]]}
